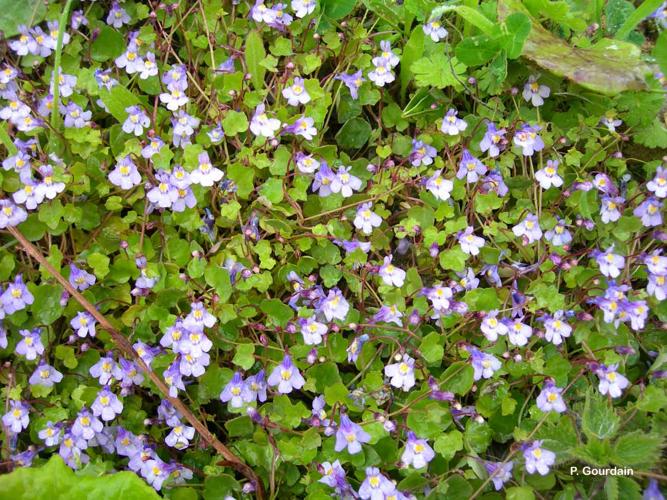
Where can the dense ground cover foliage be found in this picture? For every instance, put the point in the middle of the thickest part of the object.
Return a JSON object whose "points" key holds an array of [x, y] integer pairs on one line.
{"points": [[333, 248]]}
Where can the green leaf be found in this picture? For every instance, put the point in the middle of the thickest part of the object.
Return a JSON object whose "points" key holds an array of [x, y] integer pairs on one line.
{"points": [[660, 51], [277, 312], [472, 16], [254, 55], [336, 9], [14, 14], [616, 13], [117, 100], [218, 278], [454, 259], [57, 480], [220, 487], [518, 27], [458, 378], [46, 308], [609, 67], [642, 12], [448, 444], [476, 50], [637, 448], [413, 50], [431, 348], [519, 493], [244, 356], [354, 134], [599, 420], [482, 299], [100, 264], [234, 122], [109, 44], [438, 71]]}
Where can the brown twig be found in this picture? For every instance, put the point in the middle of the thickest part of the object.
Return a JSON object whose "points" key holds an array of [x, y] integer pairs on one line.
{"points": [[123, 344]]}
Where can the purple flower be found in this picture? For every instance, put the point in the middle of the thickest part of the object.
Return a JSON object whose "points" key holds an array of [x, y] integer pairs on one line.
{"points": [[559, 235], [493, 182], [194, 365], [439, 186], [117, 16], [235, 392], [296, 93], [538, 459], [435, 30], [556, 329], [493, 140], [610, 208], [86, 425], [199, 318], [402, 373], [381, 73], [71, 450], [470, 168], [168, 414], [611, 382], [550, 399], [323, 180], [286, 376], [652, 492], [16, 297], [164, 194], [17, 418], [302, 8], [417, 452], [483, 364], [148, 67], [390, 274], [658, 185], [528, 140], [610, 122], [131, 375], [107, 405], [255, 386], [535, 93], [75, 117], [389, 314], [30, 345], [29, 195], [499, 472], [105, 370], [345, 183], [80, 279], [528, 229], [303, 126], [78, 19], [51, 434], [206, 174], [518, 332], [25, 44], [649, 212], [48, 188], [152, 148], [136, 120], [312, 330], [352, 82], [155, 472], [334, 305], [376, 486], [350, 435], [387, 56], [355, 347], [263, 126], [451, 124], [610, 264], [104, 80], [422, 154], [365, 219], [174, 379], [333, 475], [216, 135], [306, 163], [45, 375], [180, 437], [470, 244], [492, 328], [176, 78], [548, 176], [125, 175]]}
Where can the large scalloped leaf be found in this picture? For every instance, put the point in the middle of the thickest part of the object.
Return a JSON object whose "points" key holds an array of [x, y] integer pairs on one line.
{"points": [[610, 67], [56, 480]]}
